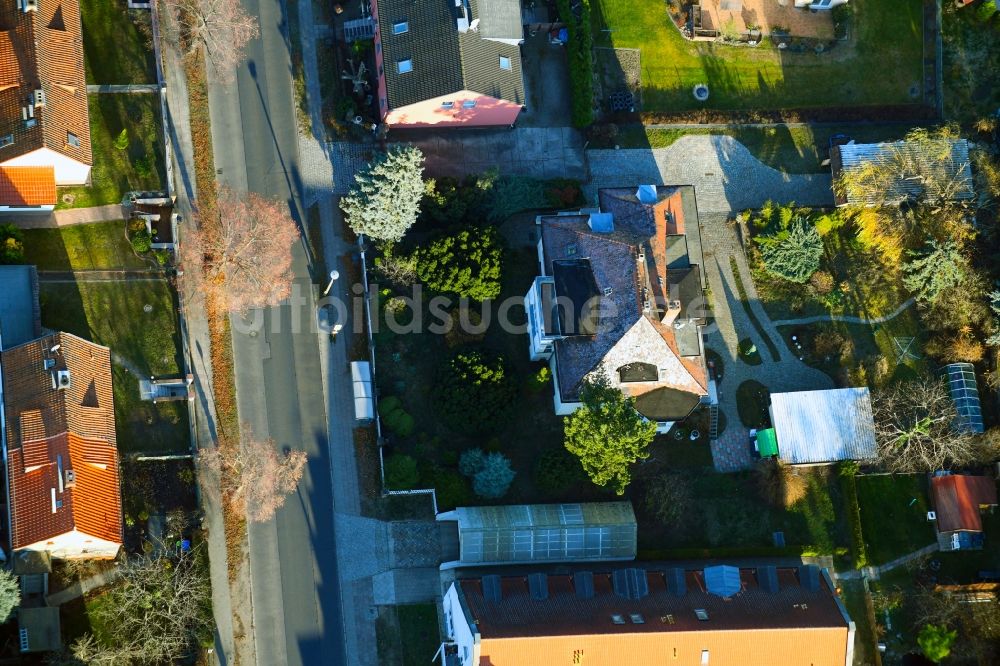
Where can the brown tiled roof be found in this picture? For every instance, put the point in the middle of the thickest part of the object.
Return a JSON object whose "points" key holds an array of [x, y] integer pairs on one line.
{"points": [[792, 625], [43, 50], [614, 259], [73, 427], [957, 498], [27, 186]]}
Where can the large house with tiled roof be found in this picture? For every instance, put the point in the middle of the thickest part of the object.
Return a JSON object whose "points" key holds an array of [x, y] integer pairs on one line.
{"points": [[620, 296], [60, 448], [449, 63], [712, 616], [44, 121]]}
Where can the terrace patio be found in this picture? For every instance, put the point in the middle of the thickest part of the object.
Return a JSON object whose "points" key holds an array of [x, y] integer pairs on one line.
{"points": [[740, 16]]}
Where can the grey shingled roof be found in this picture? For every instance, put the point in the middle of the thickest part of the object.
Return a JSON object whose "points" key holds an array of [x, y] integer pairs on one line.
{"points": [[956, 168], [444, 59], [823, 426]]}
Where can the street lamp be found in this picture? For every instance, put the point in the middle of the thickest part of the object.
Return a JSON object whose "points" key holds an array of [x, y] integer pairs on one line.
{"points": [[333, 278]]}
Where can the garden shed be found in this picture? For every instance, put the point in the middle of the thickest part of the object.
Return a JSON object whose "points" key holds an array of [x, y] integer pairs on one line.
{"points": [[592, 532], [821, 427]]}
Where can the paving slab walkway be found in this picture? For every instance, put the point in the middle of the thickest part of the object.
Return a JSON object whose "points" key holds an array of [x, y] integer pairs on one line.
{"points": [[66, 217], [82, 587]]}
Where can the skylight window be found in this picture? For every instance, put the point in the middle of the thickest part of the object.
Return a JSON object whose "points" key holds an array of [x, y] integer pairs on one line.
{"points": [[72, 139], [617, 619], [447, 105], [6, 140], [505, 63], [469, 104], [404, 66], [701, 613], [400, 27]]}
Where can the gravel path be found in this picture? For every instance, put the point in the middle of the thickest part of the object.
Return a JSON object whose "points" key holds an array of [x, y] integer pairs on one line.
{"points": [[847, 319]]}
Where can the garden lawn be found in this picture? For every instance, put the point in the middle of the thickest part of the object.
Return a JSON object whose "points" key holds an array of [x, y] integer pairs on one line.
{"points": [[888, 42], [115, 172], [116, 50], [855, 599], [971, 64], [97, 246], [142, 344], [894, 515], [794, 149], [408, 635]]}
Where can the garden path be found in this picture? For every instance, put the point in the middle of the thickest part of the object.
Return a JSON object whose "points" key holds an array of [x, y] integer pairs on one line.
{"points": [[67, 217], [874, 573], [82, 587], [847, 319]]}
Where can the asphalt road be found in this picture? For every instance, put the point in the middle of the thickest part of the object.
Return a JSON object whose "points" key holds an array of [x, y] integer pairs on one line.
{"points": [[295, 589]]}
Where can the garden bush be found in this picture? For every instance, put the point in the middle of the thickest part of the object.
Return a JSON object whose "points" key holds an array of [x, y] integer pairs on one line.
{"points": [[388, 405], [794, 253], [401, 472], [11, 244], [475, 389], [557, 471], [847, 471], [466, 263], [580, 54], [451, 488], [669, 499], [539, 380], [395, 418], [142, 242], [471, 462], [495, 477]]}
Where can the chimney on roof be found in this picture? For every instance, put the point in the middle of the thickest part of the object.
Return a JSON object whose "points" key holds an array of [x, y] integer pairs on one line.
{"points": [[28, 5], [61, 380], [673, 303]]}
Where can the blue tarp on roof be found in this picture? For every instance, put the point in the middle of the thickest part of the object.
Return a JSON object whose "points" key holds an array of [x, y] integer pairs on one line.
{"points": [[722, 580]]}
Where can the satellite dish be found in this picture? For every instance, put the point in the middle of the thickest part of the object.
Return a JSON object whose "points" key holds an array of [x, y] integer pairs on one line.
{"points": [[474, 26]]}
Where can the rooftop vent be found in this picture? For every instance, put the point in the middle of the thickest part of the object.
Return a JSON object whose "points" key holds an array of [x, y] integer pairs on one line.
{"points": [[767, 579], [491, 588], [646, 194], [630, 583], [809, 577], [723, 581], [676, 582], [583, 582], [61, 380], [538, 585], [601, 223], [30, 5]]}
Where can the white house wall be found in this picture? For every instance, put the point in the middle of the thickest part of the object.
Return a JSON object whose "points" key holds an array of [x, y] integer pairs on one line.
{"points": [[460, 631], [68, 170], [76, 545]]}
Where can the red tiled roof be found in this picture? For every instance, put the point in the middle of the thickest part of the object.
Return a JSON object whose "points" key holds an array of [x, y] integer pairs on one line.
{"points": [[73, 427], [43, 50], [27, 186], [957, 498]]}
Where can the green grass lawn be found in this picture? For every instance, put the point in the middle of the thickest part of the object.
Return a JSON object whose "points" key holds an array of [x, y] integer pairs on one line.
{"points": [[408, 635], [113, 314], [854, 596], [797, 149], [101, 245], [894, 515], [115, 172], [971, 64], [116, 49], [879, 67]]}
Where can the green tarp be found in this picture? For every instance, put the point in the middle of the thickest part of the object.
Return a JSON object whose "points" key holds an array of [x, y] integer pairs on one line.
{"points": [[767, 443]]}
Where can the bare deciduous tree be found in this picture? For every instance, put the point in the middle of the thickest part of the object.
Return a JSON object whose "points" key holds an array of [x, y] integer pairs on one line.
{"points": [[256, 478], [915, 428], [246, 257], [222, 26], [153, 614]]}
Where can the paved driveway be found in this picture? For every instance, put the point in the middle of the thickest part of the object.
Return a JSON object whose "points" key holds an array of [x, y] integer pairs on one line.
{"points": [[727, 177]]}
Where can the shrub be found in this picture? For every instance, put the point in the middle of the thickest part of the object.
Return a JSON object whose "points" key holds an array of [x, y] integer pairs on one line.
{"points": [[847, 470], [466, 263], [474, 391], [142, 242], [162, 257], [388, 405], [401, 472], [935, 641], [539, 380], [669, 499], [458, 334], [563, 193], [394, 417], [557, 470], [778, 484], [11, 244], [471, 462], [822, 282], [579, 52], [986, 10], [451, 488], [121, 141], [794, 253], [495, 477]]}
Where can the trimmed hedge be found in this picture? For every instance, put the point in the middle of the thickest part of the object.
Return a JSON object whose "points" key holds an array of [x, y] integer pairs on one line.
{"points": [[849, 486], [649, 554], [580, 54]]}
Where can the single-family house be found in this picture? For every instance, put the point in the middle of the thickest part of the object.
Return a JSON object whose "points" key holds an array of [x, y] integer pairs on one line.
{"points": [[710, 615], [538, 533], [60, 448], [959, 501], [449, 63], [821, 427], [923, 174], [620, 297], [44, 120]]}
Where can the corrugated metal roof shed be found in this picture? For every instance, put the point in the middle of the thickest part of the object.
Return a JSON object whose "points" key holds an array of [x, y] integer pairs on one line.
{"points": [[597, 531], [956, 168], [823, 426]]}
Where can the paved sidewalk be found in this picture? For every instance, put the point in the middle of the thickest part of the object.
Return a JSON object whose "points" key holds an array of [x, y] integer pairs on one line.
{"points": [[126, 88], [82, 587], [66, 217], [874, 573]]}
